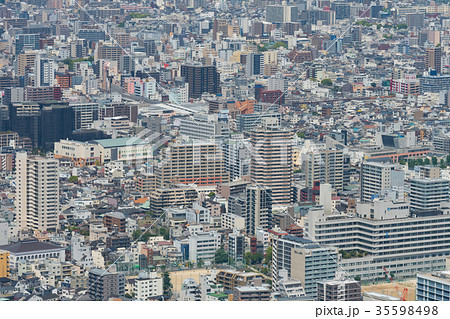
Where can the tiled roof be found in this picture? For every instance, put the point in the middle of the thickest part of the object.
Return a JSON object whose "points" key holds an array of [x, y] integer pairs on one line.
{"points": [[30, 246]]}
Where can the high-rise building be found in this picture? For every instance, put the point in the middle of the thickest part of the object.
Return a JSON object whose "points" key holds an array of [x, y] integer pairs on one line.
{"points": [[85, 114], [378, 177], [414, 20], [258, 208], [325, 166], [236, 246], [205, 127], [237, 157], [44, 70], [104, 284], [25, 63], [342, 10], [433, 59], [282, 14], [302, 259], [428, 194], [271, 160], [255, 64], [201, 79], [37, 192], [198, 163]]}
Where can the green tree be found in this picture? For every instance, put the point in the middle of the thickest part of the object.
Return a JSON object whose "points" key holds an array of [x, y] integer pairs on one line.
{"points": [[165, 233], [442, 164], [279, 44], [136, 234], [411, 163], [221, 256], [326, 82], [427, 161], [268, 256], [402, 162], [73, 179], [434, 160], [448, 159], [211, 194], [200, 263], [167, 285], [301, 134]]}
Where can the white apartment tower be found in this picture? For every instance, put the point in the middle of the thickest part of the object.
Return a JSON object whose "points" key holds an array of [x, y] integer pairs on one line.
{"points": [[37, 191]]}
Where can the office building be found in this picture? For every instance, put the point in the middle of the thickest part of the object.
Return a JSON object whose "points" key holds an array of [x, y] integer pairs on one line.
{"points": [[255, 64], [106, 52], [433, 286], [281, 14], [37, 192], [201, 79], [304, 260], [199, 163], [414, 20], [203, 246], [271, 160], [325, 166], [237, 157], [428, 194], [104, 284], [342, 10], [205, 127], [79, 153], [27, 41], [85, 114], [433, 59], [25, 63], [378, 177]]}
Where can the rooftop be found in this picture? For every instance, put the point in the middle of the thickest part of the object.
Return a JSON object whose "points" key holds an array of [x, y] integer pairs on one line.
{"points": [[30, 246]]}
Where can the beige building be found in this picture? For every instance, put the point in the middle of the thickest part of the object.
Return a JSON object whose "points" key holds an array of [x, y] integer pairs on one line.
{"points": [[80, 153], [37, 192], [271, 162], [325, 166], [199, 163]]}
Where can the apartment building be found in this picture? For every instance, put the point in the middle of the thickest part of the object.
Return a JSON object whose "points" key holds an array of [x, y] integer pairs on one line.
{"points": [[165, 197], [271, 160], [258, 208], [230, 279], [148, 286], [304, 260], [199, 163], [104, 284], [339, 290], [4, 264], [37, 192], [325, 166], [146, 183], [232, 221]]}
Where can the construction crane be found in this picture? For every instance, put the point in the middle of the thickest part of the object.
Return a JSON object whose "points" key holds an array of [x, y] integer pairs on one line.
{"points": [[404, 294]]}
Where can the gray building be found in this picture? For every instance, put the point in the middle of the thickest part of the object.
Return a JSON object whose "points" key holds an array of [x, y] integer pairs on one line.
{"points": [[428, 194], [104, 284]]}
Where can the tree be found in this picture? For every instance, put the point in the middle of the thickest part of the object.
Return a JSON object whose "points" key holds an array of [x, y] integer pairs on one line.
{"points": [[402, 162], [448, 159], [326, 82], [136, 234], [165, 233], [73, 179], [434, 160], [211, 194], [167, 285], [200, 263], [301, 134], [373, 84], [442, 164], [279, 44], [427, 161], [411, 163], [221, 256], [268, 256], [358, 278]]}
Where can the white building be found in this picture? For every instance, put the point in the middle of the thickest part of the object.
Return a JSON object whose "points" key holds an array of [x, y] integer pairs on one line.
{"points": [[147, 286], [203, 245], [232, 221]]}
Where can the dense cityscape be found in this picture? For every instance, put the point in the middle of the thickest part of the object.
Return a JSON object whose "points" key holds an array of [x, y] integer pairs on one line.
{"points": [[212, 150]]}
